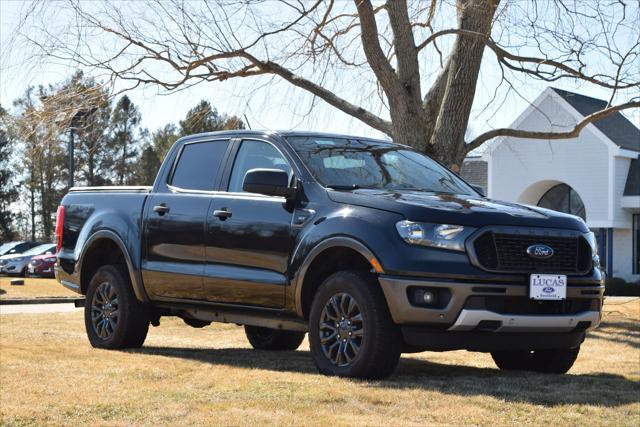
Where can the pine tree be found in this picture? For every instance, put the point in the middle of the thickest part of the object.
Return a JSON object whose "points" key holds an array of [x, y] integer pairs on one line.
{"points": [[204, 118], [148, 166], [124, 140], [8, 192]]}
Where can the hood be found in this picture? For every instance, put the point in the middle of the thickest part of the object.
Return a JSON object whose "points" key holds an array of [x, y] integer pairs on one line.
{"points": [[14, 256], [459, 209], [44, 256]]}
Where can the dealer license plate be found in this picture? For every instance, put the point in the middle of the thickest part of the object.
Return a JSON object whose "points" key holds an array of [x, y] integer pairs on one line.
{"points": [[548, 287]]}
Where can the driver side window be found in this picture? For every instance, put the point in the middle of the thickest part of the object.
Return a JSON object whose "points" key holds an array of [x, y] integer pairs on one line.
{"points": [[254, 155]]}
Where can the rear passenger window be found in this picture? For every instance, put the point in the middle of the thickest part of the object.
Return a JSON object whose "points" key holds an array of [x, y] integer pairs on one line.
{"points": [[198, 165]]}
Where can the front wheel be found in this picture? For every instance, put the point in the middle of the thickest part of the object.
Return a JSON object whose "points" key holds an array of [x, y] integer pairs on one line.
{"points": [[556, 361], [113, 317], [351, 333], [262, 338]]}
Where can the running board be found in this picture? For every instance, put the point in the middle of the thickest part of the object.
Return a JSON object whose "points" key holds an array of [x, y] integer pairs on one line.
{"points": [[264, 318]]}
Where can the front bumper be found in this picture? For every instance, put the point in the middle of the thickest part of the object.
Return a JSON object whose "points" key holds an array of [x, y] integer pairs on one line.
{"points": [[460, 315], [12, 268]]}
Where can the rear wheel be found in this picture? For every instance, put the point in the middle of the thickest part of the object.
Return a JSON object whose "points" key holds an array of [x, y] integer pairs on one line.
{"points": [[113, 317], [273, 339], [351, 333], [556, 361]]}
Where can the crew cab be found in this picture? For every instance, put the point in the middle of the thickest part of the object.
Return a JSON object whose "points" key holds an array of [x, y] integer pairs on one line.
{"points": [[372, 248]]}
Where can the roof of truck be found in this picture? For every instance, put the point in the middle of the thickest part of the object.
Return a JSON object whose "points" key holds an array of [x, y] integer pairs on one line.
{"points": [[281, 133]]}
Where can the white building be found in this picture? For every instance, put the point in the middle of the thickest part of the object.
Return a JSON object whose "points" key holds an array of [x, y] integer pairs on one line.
{"points": [[595, 176]]}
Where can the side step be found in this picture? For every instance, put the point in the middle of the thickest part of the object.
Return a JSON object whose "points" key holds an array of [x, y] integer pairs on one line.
{"points": [[247, 316]]}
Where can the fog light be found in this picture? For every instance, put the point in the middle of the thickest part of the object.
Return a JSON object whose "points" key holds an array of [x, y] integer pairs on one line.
{"points": [[429, 298]]}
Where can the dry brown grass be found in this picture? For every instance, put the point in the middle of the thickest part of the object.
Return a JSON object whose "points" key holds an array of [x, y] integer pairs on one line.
{"points": [[50, 375], [33, 288]]}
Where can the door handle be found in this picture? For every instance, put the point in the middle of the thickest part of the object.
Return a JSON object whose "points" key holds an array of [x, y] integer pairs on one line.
{"points": [[222, 214], [161, 209]]}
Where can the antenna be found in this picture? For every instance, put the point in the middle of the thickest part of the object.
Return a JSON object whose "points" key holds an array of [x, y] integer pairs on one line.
{"points": [[247, 120]]}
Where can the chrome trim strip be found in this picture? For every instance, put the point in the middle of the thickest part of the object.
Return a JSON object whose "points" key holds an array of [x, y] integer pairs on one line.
{"points": [[469, 319]]}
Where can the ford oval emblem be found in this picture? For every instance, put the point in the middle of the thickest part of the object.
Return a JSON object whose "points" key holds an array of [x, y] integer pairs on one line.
{"points": [[548, 290], [540, 251]]}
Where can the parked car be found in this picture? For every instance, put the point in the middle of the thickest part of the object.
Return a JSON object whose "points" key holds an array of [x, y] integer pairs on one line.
{"points": [[16, 264], [11, 248], [42, 266], [372, 248]]}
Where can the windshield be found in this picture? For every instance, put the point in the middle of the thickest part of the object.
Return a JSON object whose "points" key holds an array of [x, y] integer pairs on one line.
{"points": [[348, 164], [40, 249], [7, 246]]}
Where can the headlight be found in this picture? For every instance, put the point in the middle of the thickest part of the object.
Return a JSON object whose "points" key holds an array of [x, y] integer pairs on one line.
{"points": [[17, 259], [53, 259], [445, 236]]}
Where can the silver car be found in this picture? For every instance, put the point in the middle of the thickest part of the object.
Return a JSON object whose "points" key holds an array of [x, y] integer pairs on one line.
{"points": [[16, 264]]}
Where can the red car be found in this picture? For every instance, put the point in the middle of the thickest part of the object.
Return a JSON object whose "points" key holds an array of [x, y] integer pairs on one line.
{"points": [[42, 265]]}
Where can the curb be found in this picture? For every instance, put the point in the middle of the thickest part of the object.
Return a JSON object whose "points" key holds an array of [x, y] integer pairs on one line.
{"points": [[16, 301]]}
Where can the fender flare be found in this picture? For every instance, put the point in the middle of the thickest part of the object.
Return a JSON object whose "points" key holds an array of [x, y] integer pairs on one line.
{"points": [[134, 276], [331, 242]]}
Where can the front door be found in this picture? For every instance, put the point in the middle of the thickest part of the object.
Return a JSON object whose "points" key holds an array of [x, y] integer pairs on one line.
{"points": [[248, 235], [173, 263]]}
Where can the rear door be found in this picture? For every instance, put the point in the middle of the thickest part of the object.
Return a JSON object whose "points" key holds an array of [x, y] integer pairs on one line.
{"points": [[175, 214], [247, 249]]}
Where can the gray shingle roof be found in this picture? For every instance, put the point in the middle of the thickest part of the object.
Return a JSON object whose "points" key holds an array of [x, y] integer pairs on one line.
{"points": [[632, 186], [616, 127]]}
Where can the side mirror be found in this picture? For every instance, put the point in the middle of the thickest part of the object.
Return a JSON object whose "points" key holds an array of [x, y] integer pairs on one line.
{"points": [[479, 189], [270, 182]]}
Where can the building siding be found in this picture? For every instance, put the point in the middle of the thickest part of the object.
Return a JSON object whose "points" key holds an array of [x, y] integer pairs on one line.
{"points": [[474, 171], [623, 255], [523, 170]]}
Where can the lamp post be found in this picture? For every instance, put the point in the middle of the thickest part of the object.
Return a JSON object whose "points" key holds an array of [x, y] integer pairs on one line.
{"points": [[75, 122], [72, 131]]}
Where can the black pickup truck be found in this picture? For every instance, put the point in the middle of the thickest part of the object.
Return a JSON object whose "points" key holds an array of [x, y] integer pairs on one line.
{"points": [[372, 248]]}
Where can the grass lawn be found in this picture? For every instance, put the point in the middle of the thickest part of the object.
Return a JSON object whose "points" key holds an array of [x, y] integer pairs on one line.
{"points": [[50, 375], [33, 288]]}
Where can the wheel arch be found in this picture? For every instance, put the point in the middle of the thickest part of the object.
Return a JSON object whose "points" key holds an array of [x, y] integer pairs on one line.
{"points": [[353, 251], [106, 247]]}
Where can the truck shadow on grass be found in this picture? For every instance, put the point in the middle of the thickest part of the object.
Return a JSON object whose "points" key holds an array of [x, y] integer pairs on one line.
{"points": [[601, 389], [620, 331]]}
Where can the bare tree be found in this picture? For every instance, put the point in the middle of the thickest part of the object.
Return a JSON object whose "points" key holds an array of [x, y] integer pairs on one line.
{"points": [[407, 69]]}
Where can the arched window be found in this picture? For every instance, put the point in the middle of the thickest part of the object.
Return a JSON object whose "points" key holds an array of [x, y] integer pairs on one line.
{"points": [[563, 198]]}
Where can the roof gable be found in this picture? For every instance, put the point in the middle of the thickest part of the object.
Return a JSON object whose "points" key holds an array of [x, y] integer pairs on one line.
{"points": [[616, 127]]}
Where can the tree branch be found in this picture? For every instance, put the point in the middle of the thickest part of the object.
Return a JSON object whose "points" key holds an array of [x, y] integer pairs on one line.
{"points": [[405, 48], [372, 50], [505, 56], [573, 133]]}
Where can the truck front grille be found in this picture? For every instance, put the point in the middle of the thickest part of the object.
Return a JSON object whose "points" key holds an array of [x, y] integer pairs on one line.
{"points": [[507, 252]]}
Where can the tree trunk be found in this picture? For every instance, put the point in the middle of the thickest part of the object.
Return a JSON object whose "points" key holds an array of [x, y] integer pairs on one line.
{"points": [[447, 141]]}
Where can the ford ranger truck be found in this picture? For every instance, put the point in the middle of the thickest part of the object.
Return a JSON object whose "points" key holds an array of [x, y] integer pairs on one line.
{"points": [[372, 248]]}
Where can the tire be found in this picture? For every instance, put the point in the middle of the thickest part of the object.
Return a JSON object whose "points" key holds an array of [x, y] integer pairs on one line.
{"points": [[556, 361], [366, 336], [273, 339], [121, 325]]}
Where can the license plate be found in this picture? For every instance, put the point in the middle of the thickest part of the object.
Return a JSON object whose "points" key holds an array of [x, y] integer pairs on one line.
{"points": [[31, 269], [548, 287]]}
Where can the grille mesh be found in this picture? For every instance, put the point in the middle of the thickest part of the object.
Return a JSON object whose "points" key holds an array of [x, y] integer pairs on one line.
{"points": [[508, 253]]}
